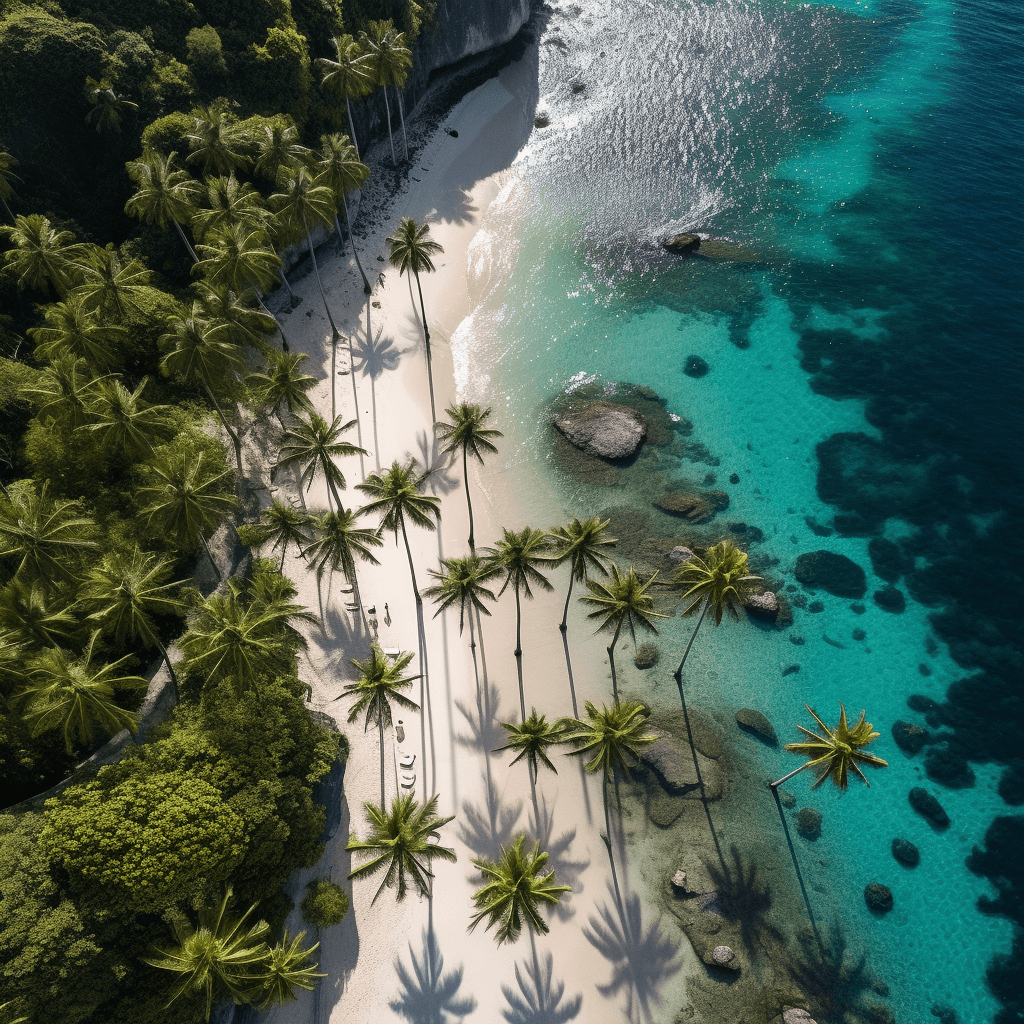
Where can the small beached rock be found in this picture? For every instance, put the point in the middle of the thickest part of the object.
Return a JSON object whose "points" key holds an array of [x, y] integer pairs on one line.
{"points": [[808, 823], [910, 737], [754, 722], [794, 1015], [906, 852], [695, 366], [682, 243], [837, 574], [679, 880], [605, 429], [646, 656], [878, 897], [722, 956], [763, 606], [680, 554], [889, 599], [928, 807]]}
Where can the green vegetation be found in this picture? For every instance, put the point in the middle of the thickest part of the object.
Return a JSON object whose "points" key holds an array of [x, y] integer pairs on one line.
{"points": [[325, 903]]}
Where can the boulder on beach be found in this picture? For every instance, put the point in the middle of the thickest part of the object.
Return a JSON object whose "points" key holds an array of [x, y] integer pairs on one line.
{"points": [[808, 823], [667, 756], [878, 897], [928, 807], [755, 723], [646, 656], [723, 956], [680, 554], [794, 1015], [696, 506], [606, 429], [837, 574], [906, 853], [682, 243], [910, 737], [762, 606]]}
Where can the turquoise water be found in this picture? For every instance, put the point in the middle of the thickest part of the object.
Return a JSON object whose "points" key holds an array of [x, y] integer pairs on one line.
{"points": [[833, 144]]}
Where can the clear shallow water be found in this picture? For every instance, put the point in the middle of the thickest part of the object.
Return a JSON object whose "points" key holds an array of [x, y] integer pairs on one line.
{"points": [[868, 155]]}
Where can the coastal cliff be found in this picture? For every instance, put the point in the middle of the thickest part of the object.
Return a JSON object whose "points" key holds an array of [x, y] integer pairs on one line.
{"points": [[468, 27]]}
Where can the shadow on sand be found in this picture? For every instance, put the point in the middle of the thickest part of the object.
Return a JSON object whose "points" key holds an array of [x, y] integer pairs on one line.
{"points": [[427, 994], [539, 995], [567, 871]]}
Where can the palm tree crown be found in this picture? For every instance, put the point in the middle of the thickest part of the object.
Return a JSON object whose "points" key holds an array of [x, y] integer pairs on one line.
{"points": [[72, 328], [238, 256], [280, 523], [721, 578], [612, 737], [837, 752], [215, 142], [462, 580], [514, 887], [166, 194], [285, 967], [283, 384], [399, 842], [41, 254], [350, 76], [338, 541], [312, 446], [226, 201], [106, 282], [532, 738]]}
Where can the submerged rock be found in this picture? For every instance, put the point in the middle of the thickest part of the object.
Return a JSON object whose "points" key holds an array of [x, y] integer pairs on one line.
{"points": [[910, 737], [763, 606], [890, 599], [646, 656], [949, 767], [886, 559], [808, 823], [906, 853], [928, 807], [754, 722], [787, 799], [878, 897], [668, 758], [680, 554], [837, 574], [682, 243], [696, 506], [606, 429], [695, 366]]}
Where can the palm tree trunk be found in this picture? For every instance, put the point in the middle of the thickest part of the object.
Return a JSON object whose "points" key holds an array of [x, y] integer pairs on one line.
{"points": [[288, 287], [401, 116], [564, 625], [519, 654], [469, 503], [611, 855], [352, 242], [170, 669], [611, 661], [191, 251], [7, 210], [209, 555], [796, 865], [693, 636], [412, 571], [334, 375], [235, 440], [284, 551], [426, 338], [355, 401], [284, 339], [334, 491], [320, 285], [387, 107], [352, 127], [380, 725], [564, 629]]}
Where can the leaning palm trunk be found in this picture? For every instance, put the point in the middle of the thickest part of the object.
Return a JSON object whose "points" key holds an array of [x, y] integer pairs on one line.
{"points": [[693, 636], [611, 661], [519, 655], [355, 402], [352, 242], [564, 629], [380, 726], [796, 864], [412, 570], [284, 338], [608, 845], [320, 285], [426, 340], [188, 245], [401, 117], [235, 439], [391, 139], [469, 502], [170, 669], [352, 128]]}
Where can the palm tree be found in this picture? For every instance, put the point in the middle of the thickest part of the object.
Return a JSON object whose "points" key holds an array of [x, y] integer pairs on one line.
{"points": [[462, 580], [238, 322], [228, 201], [513, 890], [166, 193], [390, 59], [311, 446], [72, 328], [107, 283], [411, 249], [303, 203], [279, 150], [579, 544], [237, 636], [380, 682], [339, 167], [622, 599], [48, 536], [62, 392], [283, 385], [465, 431], [41, 255], [218, 954], [531, 740], [337, 542], [37, 615], [833, 754], [518, 556], [396, 494], [68, 693], [285, 967], [400, 841], [215, 142], [125, 591], [123, 422], [3, 1006], [198, 349], [613, 738], [107, 107], [280, 523], [184, 500], [720, 580], [8, 178], [349, 77]]}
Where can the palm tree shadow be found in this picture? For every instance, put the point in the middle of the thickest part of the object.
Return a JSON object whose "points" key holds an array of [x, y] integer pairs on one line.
{"points": [[541, 994], [485, 732], [374, 357], [833, 987], [344, 637], [455, 205], [436, 466], [642, 959], [567, 871], [486, 829], [428, 995], [744, 899]]}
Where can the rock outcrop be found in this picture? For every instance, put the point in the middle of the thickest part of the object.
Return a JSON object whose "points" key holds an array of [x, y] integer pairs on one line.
{"points": [[891, 599], [928, 807], [469, 27], [910, 737], [808, 823], [763, 606], [878, 897], [754, 722], [696, 506], [606, 429], [646, 656], [906, 853], [837, 574], [682, 243]]}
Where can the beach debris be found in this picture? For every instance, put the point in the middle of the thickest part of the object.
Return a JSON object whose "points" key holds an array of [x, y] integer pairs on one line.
{"points": [[910, 737], [928, 807], [808, 823], [606, 429], [878, 897], [646, 655], [757, 724], [834, 573], [682, 243], [906, 853]]}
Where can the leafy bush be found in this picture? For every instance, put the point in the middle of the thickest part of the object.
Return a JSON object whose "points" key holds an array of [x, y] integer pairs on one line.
{"points": [[206, 55], [326, 903], [278, 74], [166, 20], [169, 85], [131, 60]]}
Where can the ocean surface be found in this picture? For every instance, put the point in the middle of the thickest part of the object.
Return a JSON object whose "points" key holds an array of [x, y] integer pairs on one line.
{"points": [[864, 343]]}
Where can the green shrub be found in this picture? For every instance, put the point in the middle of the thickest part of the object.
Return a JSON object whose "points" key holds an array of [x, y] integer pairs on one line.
{"points": [[131, 60], [166, 20], [15, 412], [319, 21], [167, 134], [169, 85], [278, 74], [325, 904], [206, 55]]}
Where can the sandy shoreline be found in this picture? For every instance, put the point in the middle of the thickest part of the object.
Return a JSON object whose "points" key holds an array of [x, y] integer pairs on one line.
{"points": [[378, 966]]}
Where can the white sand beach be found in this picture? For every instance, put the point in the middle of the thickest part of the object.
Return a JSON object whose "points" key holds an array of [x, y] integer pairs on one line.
{"points": [[378, 964]]}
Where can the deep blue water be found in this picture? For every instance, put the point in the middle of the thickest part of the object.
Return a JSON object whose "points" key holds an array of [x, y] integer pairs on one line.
{"points": [[866, 382]]}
